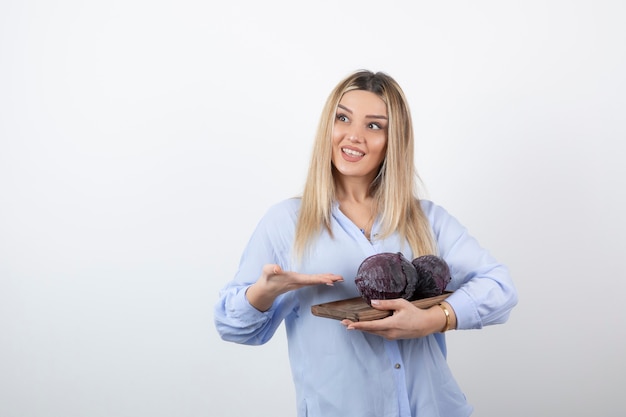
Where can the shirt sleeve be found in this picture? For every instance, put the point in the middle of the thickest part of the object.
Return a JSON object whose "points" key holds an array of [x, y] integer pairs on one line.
{"points": [[484, 292], [236, 320]]}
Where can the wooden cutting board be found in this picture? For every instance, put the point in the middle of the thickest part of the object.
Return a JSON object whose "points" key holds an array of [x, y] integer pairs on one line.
{"points": [[357, 309]]}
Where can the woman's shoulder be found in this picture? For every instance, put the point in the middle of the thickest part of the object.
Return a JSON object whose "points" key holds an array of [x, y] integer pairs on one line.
{"points": [[434, 212], [287, 208], [279, 218], [429, 206], [441, 220]]}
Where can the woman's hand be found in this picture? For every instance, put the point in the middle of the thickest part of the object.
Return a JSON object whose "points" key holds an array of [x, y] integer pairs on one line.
{"points": [[406, 322], [274, 282]]}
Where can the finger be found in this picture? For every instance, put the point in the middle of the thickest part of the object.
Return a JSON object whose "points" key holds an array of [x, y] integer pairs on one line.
{"points": [[372, 326], [332, 278], [328, 279], [271, 269], [393, 304]]}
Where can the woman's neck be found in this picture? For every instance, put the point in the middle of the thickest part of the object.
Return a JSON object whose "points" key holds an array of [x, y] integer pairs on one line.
{"points": [[357, 204], [354, 191]]}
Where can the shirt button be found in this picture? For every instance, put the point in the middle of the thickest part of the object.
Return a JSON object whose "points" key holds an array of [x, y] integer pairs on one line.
{"points": [[397, 366]]}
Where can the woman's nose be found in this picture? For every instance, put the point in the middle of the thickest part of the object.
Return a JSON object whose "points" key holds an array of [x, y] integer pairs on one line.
{"points": [[355, 135]]}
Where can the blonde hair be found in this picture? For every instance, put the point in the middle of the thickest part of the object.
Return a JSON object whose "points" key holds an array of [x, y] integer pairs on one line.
{"points": [[394, 188]]}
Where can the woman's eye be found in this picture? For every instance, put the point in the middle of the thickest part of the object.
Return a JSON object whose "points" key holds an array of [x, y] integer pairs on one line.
{"points": [[342, 117], [375, 126]]}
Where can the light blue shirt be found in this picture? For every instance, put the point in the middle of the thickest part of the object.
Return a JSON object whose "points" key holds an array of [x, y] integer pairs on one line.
{"points": [[340, 373]]}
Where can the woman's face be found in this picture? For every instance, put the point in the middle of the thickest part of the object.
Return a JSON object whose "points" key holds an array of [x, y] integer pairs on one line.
{"points": [[360, 135]]}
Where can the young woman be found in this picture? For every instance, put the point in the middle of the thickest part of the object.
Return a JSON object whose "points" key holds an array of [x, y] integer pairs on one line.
{"points": [[360, 199]]}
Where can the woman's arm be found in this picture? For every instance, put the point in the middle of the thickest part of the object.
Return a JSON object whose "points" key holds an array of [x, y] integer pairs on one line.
{"points": [[254, 303], [483, 292], [407, 320], [274, 282]]}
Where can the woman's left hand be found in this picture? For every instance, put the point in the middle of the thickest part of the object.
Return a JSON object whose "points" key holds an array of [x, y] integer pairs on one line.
{"points": [[406, 322]]}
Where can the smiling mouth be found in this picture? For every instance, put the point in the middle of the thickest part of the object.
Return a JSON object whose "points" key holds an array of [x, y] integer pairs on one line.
{"points": [[352, 152]]}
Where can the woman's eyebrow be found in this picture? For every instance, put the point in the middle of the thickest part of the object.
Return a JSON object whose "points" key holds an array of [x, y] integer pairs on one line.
{"points": [[341, 106], [370, 116]]}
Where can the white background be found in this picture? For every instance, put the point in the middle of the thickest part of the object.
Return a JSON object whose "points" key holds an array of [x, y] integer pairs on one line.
{"points": [[141, 141]]}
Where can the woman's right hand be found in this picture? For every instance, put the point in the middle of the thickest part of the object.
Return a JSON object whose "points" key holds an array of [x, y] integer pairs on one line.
{"points": [[274, 282]]}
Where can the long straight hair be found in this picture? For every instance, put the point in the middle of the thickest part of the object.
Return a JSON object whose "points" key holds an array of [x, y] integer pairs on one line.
{"points": [[394, 188]]}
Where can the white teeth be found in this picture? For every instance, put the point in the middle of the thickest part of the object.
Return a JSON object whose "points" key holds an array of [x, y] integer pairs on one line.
{"points": [[351, 152]]}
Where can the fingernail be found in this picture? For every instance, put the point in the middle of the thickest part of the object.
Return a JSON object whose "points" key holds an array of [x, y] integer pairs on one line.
{"points": [[375, 302]]}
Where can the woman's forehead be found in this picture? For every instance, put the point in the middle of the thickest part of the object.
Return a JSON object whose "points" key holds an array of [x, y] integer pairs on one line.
{"points": [[363, 101]]}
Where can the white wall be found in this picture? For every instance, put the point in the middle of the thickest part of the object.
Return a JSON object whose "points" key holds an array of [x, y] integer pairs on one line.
{"points": [[141, 141]]}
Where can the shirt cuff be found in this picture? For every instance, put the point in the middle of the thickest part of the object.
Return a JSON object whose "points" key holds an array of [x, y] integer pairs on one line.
{"points": [[240, 308], [465, 310]]}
